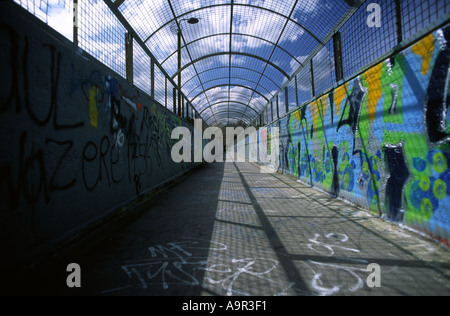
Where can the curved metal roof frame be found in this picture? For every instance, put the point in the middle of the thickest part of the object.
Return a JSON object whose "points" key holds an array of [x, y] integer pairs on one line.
{"points": [[233, 4], [239, 34], [239, 115], [235, 67], [267, 62], [227, 85], [230, 53], [281, 65], [225, 93], [232, 105], [222, 78], [228, 102], [225, 119]]}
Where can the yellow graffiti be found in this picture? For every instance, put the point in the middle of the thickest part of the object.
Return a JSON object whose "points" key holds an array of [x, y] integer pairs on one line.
{"points": [[314, 109], [339, 96], [93, 113], [152, 109], [324, 105], [297, 119], [425, 49], [373, 79]]}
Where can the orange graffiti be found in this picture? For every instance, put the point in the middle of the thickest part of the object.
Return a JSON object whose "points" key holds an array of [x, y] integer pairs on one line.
{"points": [[324, 105], [425, 49], [314, 109]]}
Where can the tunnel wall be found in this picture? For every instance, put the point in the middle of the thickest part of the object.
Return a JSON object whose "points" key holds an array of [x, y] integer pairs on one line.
{"points": [[78, 143], [381, 140]]}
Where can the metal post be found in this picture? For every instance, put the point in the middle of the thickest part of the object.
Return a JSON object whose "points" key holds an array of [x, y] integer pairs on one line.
{"points": [[313, 90], [129, 56], [278, 107], [75, 22], [179, 73], [166, 95], [398, 15], [152, 78], [286, 92], [175, 100], [182, 107], [271, 110], [338, 65]]}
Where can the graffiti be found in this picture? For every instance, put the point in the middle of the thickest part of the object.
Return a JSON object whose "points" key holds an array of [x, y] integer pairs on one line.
{"points": [[398, 175], [32, 176], [428, 192], [323, 282], [382, 140], [18, 65], [93, 95], [78, 143], [438, 97], [335, 157], [327, 248], [176, 264], [353, 104], [319, 281], [97, 157]]}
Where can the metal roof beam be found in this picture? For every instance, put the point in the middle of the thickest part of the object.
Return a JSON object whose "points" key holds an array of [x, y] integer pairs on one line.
{"points": [[222, 78], [118, 3], [235, 67], [233, 53], [232, 102], [240, 34], [220, 114], [235, 85], [243, 5]]}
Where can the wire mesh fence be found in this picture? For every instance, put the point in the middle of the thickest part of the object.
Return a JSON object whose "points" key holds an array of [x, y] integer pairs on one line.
{"points": [[372, 30], [102, 35], [363, 39]]}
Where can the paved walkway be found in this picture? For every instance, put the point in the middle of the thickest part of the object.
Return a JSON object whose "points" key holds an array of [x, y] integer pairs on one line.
{"points": [[229, 230]]}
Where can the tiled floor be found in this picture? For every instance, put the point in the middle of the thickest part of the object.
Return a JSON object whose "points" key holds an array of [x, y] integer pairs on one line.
{"points": [[227, 229]]}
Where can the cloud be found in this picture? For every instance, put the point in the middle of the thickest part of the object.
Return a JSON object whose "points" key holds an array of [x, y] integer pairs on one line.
{"points": [[104, 39], [61, 19], [57, 14]]}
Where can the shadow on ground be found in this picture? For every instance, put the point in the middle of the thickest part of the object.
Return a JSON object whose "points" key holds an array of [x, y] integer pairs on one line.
{"points": [[230, 230]]}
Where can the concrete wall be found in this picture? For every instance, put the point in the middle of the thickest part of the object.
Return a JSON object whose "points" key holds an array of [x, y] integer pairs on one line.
{"points": [[77, 141], [382, 140]]}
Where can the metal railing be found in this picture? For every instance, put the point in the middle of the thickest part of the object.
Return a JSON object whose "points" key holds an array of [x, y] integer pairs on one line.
{"points": [[99, 28], [355, 45]]}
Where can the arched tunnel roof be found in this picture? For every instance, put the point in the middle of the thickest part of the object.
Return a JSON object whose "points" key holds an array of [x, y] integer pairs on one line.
{"points": [[239, 54]]}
